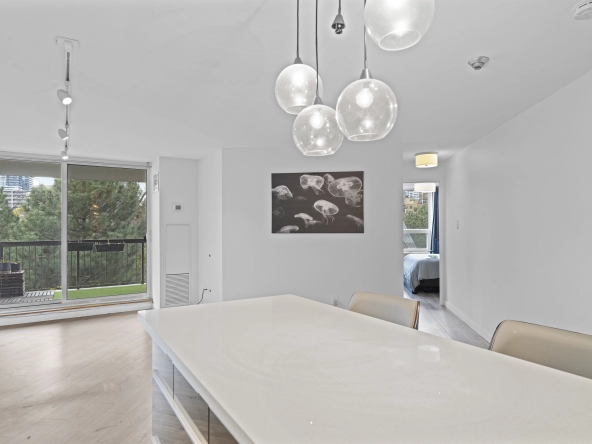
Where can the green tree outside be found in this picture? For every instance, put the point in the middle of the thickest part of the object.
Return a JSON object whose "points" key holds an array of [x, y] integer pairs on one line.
{"points": [[8, 220], [417, 219], [97, 210]]}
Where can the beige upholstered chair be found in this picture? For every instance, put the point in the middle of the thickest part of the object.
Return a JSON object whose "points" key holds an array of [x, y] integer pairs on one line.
{"points": [[551, 347], [394, 309]]}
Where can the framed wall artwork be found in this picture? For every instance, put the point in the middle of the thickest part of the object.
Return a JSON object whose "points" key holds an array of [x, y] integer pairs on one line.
{"points": [[326, 202]]}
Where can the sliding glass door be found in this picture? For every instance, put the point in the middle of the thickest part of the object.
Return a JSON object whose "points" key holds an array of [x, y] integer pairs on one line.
{"points": [[103, 213], [107, 254], [30, 233]]}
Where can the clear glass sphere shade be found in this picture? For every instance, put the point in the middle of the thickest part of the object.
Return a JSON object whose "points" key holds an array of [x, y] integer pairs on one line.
{"points": [[316, 132], [366, 110], [295, 88], [398, 24]]}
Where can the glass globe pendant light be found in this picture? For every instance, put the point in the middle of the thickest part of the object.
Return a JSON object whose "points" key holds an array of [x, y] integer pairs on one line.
{"points": [[295, 86], [367, 108], [315, 131], [398, 24]]}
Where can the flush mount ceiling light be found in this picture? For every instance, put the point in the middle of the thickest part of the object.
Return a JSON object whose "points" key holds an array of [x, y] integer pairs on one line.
{"points": [[367, 108], [398, 24], [315, 130], [426, 160], [63, 134], [295, 86], [424, 187], [64, 97]]}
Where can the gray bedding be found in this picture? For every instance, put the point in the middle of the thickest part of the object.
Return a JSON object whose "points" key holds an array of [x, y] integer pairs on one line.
{"points": [[418, 267]]}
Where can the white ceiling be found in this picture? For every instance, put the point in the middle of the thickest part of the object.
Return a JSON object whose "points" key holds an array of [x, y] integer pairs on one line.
{"points": [[184, 78]]}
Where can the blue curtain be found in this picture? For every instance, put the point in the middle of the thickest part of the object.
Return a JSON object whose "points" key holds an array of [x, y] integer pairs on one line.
{"points": [[435, 224]]}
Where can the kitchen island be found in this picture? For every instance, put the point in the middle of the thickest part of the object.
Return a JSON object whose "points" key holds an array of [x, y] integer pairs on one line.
{"points": [[284, 369]]}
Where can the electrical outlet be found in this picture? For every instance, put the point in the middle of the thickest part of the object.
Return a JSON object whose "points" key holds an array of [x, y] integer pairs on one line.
{"points": [[335, 300]]}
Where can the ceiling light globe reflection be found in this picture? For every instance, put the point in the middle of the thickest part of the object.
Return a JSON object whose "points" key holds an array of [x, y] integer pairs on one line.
{"points": [[317, 120], [364, 98]]}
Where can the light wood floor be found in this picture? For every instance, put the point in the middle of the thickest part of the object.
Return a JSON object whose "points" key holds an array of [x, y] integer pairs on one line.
{"points": [[88, 380], [439, 321], [80, 381]]}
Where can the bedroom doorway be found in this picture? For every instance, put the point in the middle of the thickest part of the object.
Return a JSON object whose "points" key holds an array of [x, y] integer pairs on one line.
{"points": [[421, 240]]}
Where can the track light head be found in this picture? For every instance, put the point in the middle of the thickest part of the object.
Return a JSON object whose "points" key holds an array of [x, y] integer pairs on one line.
{"points": [[64, 97], [338, 24], [63, 134], [64, 155]]}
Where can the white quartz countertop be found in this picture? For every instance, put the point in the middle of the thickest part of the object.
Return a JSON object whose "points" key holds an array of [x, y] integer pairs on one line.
{"points": [[284, 369]]}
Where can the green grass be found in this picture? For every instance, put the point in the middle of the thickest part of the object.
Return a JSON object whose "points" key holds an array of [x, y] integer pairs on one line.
{"points": [[85, 293]]}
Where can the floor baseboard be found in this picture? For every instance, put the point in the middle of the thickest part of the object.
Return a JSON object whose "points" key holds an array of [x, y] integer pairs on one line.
{"points": [[74, 312], [467, 320]]}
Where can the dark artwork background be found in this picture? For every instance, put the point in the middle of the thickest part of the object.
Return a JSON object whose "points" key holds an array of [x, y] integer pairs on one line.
{"points": [[296, 208]]}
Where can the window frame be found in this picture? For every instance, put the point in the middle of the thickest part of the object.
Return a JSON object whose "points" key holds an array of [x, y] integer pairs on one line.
{"points": [[427, 231], [65, 302]]}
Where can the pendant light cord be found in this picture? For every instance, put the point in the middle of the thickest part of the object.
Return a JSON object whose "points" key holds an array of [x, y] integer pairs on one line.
{"points": [[297, 29], [317, 42], [365, 55]]}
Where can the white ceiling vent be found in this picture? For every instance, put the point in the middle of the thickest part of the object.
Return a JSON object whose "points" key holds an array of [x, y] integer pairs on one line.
{"points": [[583, 10]]}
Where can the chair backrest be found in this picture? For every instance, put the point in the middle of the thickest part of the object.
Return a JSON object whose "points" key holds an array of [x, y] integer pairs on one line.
{"points": [[388, 308], [560, 349]]}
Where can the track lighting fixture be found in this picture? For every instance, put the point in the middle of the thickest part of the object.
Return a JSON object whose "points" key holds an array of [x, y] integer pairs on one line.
{"points": [[338, 24], [64, 94], [63, 134], [64, 97]]}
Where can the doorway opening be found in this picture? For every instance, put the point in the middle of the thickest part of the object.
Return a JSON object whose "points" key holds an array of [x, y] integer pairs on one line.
{"points": [[421, 239]]}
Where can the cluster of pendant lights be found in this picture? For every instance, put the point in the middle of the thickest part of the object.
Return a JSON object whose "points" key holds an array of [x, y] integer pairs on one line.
{"points": [[366, 109]]}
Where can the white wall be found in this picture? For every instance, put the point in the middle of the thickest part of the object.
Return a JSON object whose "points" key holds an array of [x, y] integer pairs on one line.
{"points": [[257, 262], [154, 236], [178, 184], [209, 196], [522, 198]]}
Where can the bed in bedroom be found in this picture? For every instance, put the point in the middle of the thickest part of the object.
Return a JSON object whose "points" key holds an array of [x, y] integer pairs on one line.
{"points": [[422, 272]]}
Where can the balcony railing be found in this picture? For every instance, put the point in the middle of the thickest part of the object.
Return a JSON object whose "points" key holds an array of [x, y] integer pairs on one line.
{"points": [[41, 262]]}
